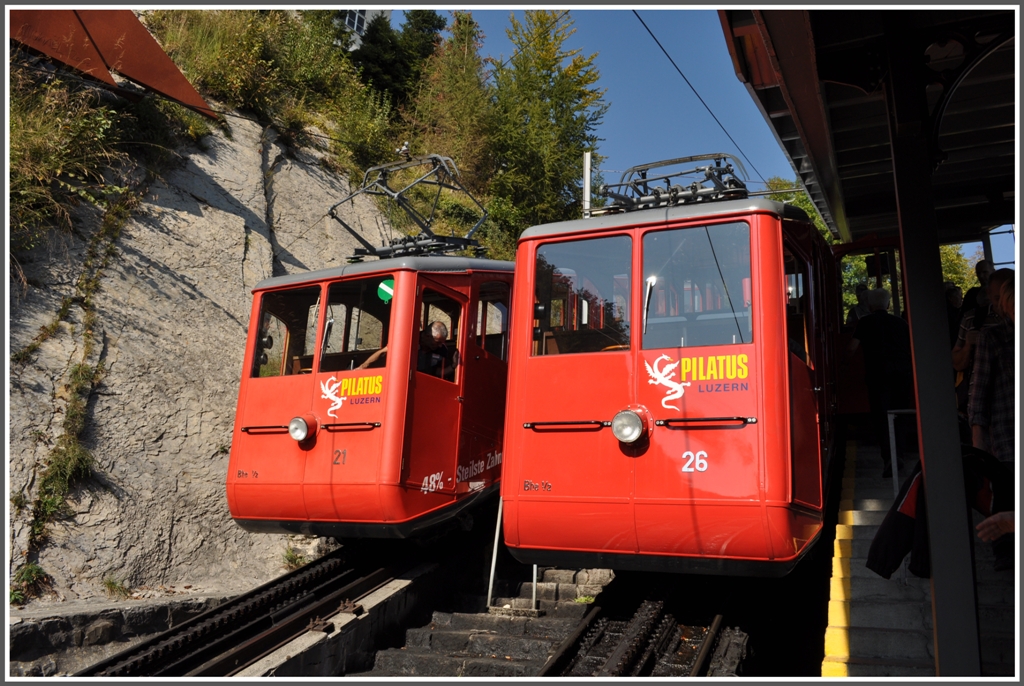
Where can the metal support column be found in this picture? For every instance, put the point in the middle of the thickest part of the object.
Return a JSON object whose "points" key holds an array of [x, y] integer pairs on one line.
{"points": [[954, 604]]}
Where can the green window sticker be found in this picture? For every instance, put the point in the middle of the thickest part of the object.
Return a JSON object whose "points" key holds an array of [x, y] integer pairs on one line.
{"points": [[386, 290]]}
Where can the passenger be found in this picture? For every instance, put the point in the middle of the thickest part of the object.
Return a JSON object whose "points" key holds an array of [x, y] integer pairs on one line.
{"points": [[373, 358], [974, 321], [976, 294], [888, 370], [954, 301], [861, 309], [433, 353], [996, 526], [1008, 300], [991, 408]]}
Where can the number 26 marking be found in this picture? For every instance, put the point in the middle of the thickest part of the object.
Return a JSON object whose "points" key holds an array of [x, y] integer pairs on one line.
{"points": [[699, 459], [342, 454]]}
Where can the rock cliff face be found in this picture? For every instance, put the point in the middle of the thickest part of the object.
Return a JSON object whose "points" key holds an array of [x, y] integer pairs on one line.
{"points": [[171, 314]]}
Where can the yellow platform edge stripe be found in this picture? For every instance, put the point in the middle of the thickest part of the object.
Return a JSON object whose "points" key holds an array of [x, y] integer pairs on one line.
{"points": [[837, 635]]}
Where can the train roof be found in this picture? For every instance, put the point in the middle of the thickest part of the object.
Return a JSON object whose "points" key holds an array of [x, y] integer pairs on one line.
{"points": [[666, 214], [419, 263]]}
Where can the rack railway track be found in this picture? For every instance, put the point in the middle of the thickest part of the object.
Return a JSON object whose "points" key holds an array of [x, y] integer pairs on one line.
{"points": [[226, 639], [650, 643]]}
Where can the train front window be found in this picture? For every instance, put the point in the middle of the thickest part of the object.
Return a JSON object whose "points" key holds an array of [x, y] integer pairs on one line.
{"points": [[356, 323], [581, 300], [697, 286], [287, 332], [492, 319]]}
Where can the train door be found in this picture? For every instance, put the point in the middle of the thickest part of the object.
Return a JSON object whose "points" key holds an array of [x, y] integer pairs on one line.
{"points": [[575, 479], [485, 383], [436, 378], [280, 387], [803, 397], [350, 393], [695, 374]]}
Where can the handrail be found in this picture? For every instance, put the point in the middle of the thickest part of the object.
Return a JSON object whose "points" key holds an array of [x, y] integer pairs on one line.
{"points": [[706, 420]]}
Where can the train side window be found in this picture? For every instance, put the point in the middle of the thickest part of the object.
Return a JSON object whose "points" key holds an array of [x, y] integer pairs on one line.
{"points": [[582, 296], [798, 310], [357, 322], [432, 358], [492, 319], [287, 332], [697, 286]]}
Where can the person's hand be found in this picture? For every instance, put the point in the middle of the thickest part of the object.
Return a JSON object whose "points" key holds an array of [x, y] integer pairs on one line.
{"points": [[373, 358], [455, 358], [995, 526]]}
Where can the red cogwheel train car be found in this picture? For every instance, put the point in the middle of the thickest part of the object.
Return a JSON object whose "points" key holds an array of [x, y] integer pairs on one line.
{"points": [[358, 416], [670, 397]]}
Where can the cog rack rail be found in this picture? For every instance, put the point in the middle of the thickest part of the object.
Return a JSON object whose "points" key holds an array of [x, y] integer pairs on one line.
{"points": [[442, 174]]}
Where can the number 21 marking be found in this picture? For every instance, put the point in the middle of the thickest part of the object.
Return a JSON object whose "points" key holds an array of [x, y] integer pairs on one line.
{"points": [[342, 454]]}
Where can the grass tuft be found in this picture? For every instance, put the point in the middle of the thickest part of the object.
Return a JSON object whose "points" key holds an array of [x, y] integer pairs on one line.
{"points": [[294, 559], [115, 588]]}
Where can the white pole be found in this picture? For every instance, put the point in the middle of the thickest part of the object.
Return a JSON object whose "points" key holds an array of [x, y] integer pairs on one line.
{"points": [[534, 605], [494, 554], [586, 184]]}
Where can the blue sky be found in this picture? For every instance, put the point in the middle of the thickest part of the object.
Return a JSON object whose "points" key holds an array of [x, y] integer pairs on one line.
{"points": [[653, 113]]}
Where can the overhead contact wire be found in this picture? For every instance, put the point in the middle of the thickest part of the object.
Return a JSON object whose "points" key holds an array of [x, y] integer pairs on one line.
{"points": [[700, 98]]}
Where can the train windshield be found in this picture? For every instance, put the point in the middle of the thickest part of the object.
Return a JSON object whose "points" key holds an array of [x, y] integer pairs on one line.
{"points": [[287, 334], [582, 296], [697, 286], [357, 320]]}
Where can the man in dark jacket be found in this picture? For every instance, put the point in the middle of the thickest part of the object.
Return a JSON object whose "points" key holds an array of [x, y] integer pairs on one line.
{"points": [[888, 370]]}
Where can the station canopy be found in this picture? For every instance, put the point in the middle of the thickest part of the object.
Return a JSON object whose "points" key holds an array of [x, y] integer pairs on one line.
{"points": [[820, 78]]}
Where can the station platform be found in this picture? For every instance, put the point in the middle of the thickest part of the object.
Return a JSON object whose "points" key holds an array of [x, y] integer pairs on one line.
{"points": [[881, 627]]}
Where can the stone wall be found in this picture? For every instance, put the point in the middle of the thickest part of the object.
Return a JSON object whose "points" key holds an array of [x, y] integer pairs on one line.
{"points": [[172, 314]]}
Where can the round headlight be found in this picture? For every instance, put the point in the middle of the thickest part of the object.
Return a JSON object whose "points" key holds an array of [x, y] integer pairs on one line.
{"points": [[298, 429], [627, 426]]}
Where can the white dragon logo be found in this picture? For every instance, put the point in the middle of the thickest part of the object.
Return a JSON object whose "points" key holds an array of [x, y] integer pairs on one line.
{"points": [[663, 377], [329, 391]]}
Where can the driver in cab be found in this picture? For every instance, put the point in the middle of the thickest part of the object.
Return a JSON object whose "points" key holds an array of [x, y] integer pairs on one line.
{"points": [[433, 357]]}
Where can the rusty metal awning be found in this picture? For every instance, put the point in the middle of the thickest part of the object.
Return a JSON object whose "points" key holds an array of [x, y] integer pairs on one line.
{"points": [[98, 42], [817, 77]]}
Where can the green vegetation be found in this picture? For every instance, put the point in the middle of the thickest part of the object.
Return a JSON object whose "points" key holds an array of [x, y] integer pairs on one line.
{"points": [[115, 588], [391, 61], [62, 143], [585, 599], [28, 582], [293, 559], [290, 71], [547, 107], [18, 501]]}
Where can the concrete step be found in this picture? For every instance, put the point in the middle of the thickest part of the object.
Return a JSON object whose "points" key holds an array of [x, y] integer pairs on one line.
{"points": [[477, 643], [412, 662], [859, 666], [998, 647], [549, 608], [532, 626], [865, 614], [862, 517], [888, 644]]}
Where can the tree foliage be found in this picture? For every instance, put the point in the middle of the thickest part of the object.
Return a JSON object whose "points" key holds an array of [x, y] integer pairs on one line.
{"points": [[380, 59], [451, 114], [391, 61], [956, 267], [547, 109]]}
